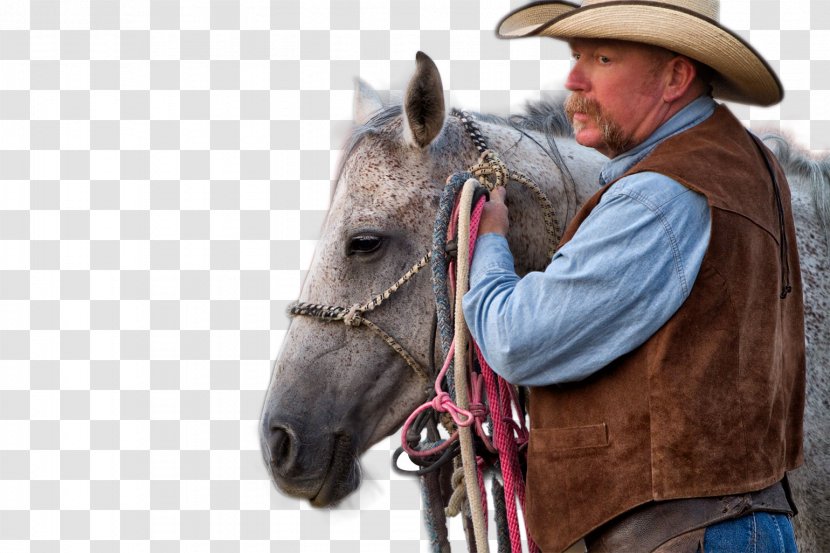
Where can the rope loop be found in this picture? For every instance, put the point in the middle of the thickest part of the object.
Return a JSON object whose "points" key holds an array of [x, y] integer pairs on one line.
{"points": [[443, 403], [490, 170], [478, 410], [521, 434]]}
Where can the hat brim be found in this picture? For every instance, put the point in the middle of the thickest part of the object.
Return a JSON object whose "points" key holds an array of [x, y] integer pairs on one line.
{"points": [[742, 75]]}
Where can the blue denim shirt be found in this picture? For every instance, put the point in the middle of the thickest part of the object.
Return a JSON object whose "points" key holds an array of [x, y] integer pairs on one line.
{"points": [[626, 271]]}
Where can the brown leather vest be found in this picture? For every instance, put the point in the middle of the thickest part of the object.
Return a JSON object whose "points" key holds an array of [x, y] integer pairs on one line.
{"points": [[711, 404]]}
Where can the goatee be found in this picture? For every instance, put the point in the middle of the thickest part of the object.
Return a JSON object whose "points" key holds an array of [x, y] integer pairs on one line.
{"points": [[613, 135]]}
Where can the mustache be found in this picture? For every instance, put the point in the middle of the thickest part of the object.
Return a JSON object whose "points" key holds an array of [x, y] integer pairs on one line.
{"points": [[612, 133], [580, 104]]}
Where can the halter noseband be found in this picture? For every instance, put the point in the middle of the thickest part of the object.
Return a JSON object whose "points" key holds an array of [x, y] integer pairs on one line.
{"points": [[354, 316]]}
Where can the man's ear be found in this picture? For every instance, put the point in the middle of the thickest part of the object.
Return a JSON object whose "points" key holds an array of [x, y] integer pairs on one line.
{"points": [[682, 77]]}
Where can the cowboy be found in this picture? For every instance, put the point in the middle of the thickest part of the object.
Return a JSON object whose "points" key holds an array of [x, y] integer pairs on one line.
{"points": [[664, 342]]}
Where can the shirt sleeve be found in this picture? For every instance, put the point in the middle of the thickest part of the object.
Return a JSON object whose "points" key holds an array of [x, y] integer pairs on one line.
{"points": [[626, 271]]}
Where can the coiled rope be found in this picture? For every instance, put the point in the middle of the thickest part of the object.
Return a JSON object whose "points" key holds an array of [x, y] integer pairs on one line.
{"points": [[466, 244], [501, 396]]}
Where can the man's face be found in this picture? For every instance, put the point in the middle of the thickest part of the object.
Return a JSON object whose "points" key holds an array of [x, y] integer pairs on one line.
{"points": [[617, 93]]}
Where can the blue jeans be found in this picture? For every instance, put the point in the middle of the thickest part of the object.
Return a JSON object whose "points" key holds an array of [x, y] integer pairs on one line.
{"points": [[753, 533]]}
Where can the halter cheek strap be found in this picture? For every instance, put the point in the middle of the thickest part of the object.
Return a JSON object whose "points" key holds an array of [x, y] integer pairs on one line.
{"points": [[354, 316]]}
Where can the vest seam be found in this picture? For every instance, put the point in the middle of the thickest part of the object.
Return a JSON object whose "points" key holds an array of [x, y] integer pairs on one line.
{"points": [[733, 315], [742, 216]]}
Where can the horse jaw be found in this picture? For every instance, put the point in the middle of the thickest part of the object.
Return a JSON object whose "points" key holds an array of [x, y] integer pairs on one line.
{"points": [[423, 105]]}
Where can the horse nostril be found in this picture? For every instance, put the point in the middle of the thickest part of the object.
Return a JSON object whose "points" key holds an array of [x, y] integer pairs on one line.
{"points": [[282, 443], [283, 450]]}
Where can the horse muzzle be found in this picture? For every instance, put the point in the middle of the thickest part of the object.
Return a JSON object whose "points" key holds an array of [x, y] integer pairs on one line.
{"points": [[320, 468]]}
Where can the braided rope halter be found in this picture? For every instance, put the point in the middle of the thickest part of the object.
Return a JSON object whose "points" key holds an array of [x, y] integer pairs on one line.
{"points": [[491, 172], [354, 316]]}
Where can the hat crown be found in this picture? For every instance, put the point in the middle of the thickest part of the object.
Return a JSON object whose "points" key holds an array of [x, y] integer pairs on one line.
{"points": [[705, 8]]}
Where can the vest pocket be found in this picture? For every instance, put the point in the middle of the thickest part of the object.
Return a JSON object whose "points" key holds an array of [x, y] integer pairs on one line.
{"points": [[569, 438]]}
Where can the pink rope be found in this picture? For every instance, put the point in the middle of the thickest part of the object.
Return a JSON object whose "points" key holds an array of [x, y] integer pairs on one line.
{"points": [[501, 398], [442, 403]]}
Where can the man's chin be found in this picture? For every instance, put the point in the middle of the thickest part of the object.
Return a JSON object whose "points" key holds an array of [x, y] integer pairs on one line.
{"points": [[589, 138]]}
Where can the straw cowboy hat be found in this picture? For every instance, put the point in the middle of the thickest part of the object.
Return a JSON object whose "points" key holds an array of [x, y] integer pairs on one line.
{"points": [[688, 27]]}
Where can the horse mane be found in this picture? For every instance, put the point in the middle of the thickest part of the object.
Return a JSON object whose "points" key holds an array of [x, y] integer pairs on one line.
{"points": [[546, 116], [815, 171]]}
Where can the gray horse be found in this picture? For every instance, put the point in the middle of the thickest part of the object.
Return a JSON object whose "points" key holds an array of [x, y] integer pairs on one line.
{"points": [[380, 222]]}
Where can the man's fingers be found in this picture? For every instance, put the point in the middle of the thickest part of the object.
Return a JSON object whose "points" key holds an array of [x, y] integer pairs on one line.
{"points": [[495, 218], [498, 194]]}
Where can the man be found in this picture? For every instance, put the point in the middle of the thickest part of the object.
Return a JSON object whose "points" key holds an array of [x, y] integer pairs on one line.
{"points": [[664, 343]]}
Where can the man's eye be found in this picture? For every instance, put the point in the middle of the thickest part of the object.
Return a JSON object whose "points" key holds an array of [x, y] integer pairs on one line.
{"points": [[574, 56], [604, 59]]}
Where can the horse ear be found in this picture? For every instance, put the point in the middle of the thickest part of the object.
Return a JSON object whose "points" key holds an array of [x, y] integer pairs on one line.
{"points": [[423, 103], [367, 101]]}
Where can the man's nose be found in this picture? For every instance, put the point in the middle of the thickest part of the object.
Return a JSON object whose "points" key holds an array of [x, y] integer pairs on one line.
{"points": [[576, 81]]}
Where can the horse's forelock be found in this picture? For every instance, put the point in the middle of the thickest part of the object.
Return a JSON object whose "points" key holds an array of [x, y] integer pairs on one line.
{"points": [[378, 123]]}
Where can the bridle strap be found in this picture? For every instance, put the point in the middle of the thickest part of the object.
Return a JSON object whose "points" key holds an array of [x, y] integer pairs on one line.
{"points": [[354, 316]]}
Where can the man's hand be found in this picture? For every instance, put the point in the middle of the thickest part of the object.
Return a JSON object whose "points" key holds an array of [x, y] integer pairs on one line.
{"points": [[494, 217]]}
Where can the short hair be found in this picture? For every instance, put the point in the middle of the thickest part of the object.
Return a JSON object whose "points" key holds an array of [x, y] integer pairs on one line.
{"points": [[705, 73]]}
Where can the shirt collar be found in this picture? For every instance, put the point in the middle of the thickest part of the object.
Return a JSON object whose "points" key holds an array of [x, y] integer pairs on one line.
{"points": [[692, 114]]}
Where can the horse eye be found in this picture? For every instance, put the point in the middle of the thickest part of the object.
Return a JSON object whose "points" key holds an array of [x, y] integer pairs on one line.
{"points": [[364, 244]]}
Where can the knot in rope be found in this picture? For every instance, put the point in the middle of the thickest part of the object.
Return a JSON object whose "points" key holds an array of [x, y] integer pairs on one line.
{"points": [[490, 170], [352, 316], [459, 492], [443, 403]]}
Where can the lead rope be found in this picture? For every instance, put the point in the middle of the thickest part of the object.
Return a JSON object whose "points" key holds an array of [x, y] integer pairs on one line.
{"points": [[500, 397], [508, 434], [494, 173]]}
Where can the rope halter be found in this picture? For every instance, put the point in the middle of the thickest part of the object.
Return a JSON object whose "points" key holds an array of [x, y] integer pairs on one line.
{"points": [[354, 316]]}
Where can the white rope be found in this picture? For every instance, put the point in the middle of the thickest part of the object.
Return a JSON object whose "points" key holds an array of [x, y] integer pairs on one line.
{"points": [[465, 434]]}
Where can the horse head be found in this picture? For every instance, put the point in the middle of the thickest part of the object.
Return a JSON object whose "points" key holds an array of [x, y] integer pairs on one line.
{"points": [[336, 390]]}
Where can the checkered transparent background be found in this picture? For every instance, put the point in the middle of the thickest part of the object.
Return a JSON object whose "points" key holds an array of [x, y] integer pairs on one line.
{"points": [[164, 170]]}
